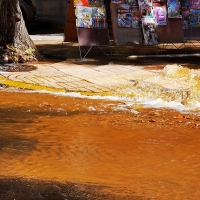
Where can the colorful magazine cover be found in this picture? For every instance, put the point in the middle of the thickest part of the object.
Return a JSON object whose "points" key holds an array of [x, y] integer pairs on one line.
{"points": [[184, 5], [160, 15], [129, 2], [194, 18], [81, 2], [132, 2], [185, 19], [149, 31], [158, 1], [117, 1], [195, 4], [136, 22], [128, 16], [90, 17], [144, 2], [146, 11], [173, 9], [88, 3]]}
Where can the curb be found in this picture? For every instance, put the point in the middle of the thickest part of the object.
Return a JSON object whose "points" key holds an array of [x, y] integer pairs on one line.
{"points": [[164, 56], [28, 86]]}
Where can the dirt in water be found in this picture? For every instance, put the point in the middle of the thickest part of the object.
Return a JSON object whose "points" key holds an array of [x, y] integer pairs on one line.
{"points": [[56, 147]]}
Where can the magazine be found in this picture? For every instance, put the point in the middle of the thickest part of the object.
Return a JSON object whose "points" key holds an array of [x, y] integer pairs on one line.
{"points": [[128, 16], [96, 3], [146, 11], [160, 15], [117, 1], [90, 17], [194, 18], [185, 19], [195, 4], [145, 2], [132, 2], [149, 31], [158, 1], [173, 9], [184, 5]]}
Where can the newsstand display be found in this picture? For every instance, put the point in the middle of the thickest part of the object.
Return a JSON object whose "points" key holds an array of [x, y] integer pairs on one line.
{"points": [[146, 22], [91, 24], [160, 21]]}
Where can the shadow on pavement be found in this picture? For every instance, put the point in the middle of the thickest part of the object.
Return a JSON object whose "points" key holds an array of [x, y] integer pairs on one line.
{"points": [[59, 51], [21, 189]]}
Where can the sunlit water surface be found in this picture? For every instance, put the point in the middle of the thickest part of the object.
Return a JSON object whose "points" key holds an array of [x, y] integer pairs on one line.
{"points": [[152, 153]]}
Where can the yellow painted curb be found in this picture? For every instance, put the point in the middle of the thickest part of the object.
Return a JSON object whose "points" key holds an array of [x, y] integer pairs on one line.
{"points": [[28, 86], [97, 93]]}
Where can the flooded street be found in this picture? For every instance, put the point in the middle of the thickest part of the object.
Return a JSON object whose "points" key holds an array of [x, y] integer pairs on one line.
{"points": [[103, 148]]}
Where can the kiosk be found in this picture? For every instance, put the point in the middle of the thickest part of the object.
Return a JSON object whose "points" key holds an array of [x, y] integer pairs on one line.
{"points": [[138, 23]]}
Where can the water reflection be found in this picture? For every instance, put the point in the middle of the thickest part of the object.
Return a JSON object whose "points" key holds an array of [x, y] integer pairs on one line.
{"points": [[149, 155], [16, 143]]}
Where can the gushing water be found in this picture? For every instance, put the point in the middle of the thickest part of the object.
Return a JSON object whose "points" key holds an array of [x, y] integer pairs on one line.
{"points": [[161, 89]]}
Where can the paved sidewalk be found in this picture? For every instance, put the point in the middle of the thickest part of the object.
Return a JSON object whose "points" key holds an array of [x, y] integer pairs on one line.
{"points": [[70, 77], [103, 78]]}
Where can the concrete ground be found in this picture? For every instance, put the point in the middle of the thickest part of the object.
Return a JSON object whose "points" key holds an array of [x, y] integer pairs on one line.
{"points": [[64, 71]]}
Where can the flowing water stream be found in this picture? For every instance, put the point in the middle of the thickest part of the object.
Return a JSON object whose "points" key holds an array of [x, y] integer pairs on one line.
{"points": [[129, 153]]}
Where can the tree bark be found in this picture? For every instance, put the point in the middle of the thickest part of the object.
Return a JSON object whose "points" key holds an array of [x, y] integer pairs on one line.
{"points": [[14, 37]]}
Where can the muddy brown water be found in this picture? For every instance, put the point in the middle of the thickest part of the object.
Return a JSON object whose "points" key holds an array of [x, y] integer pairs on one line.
{"points": [[47, 140]]}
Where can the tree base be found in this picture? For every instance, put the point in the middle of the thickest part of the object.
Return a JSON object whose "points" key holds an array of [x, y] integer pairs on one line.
{"points": [[11, 54], [14, 67]]}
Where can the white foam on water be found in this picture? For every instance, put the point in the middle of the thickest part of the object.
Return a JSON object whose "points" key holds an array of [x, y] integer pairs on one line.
{"points": [[91, 108], [159, 103], [145, 102], [130, 102]]}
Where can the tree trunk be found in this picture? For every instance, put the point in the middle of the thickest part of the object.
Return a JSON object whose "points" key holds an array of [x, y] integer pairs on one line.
{"points": [[15, 42]]}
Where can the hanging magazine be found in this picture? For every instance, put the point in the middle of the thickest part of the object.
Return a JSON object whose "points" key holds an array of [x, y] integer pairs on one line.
{"points": [[145, 2], [128, 16], [88, 3], [194, 18], [149, 31], [129, 2], [158, 1], [117, 1], [173, 9], [132, 2], [184, 5], [90, 17], [146, 10], [81, 3], [195, 4], [160, 15], [185, 19]]}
